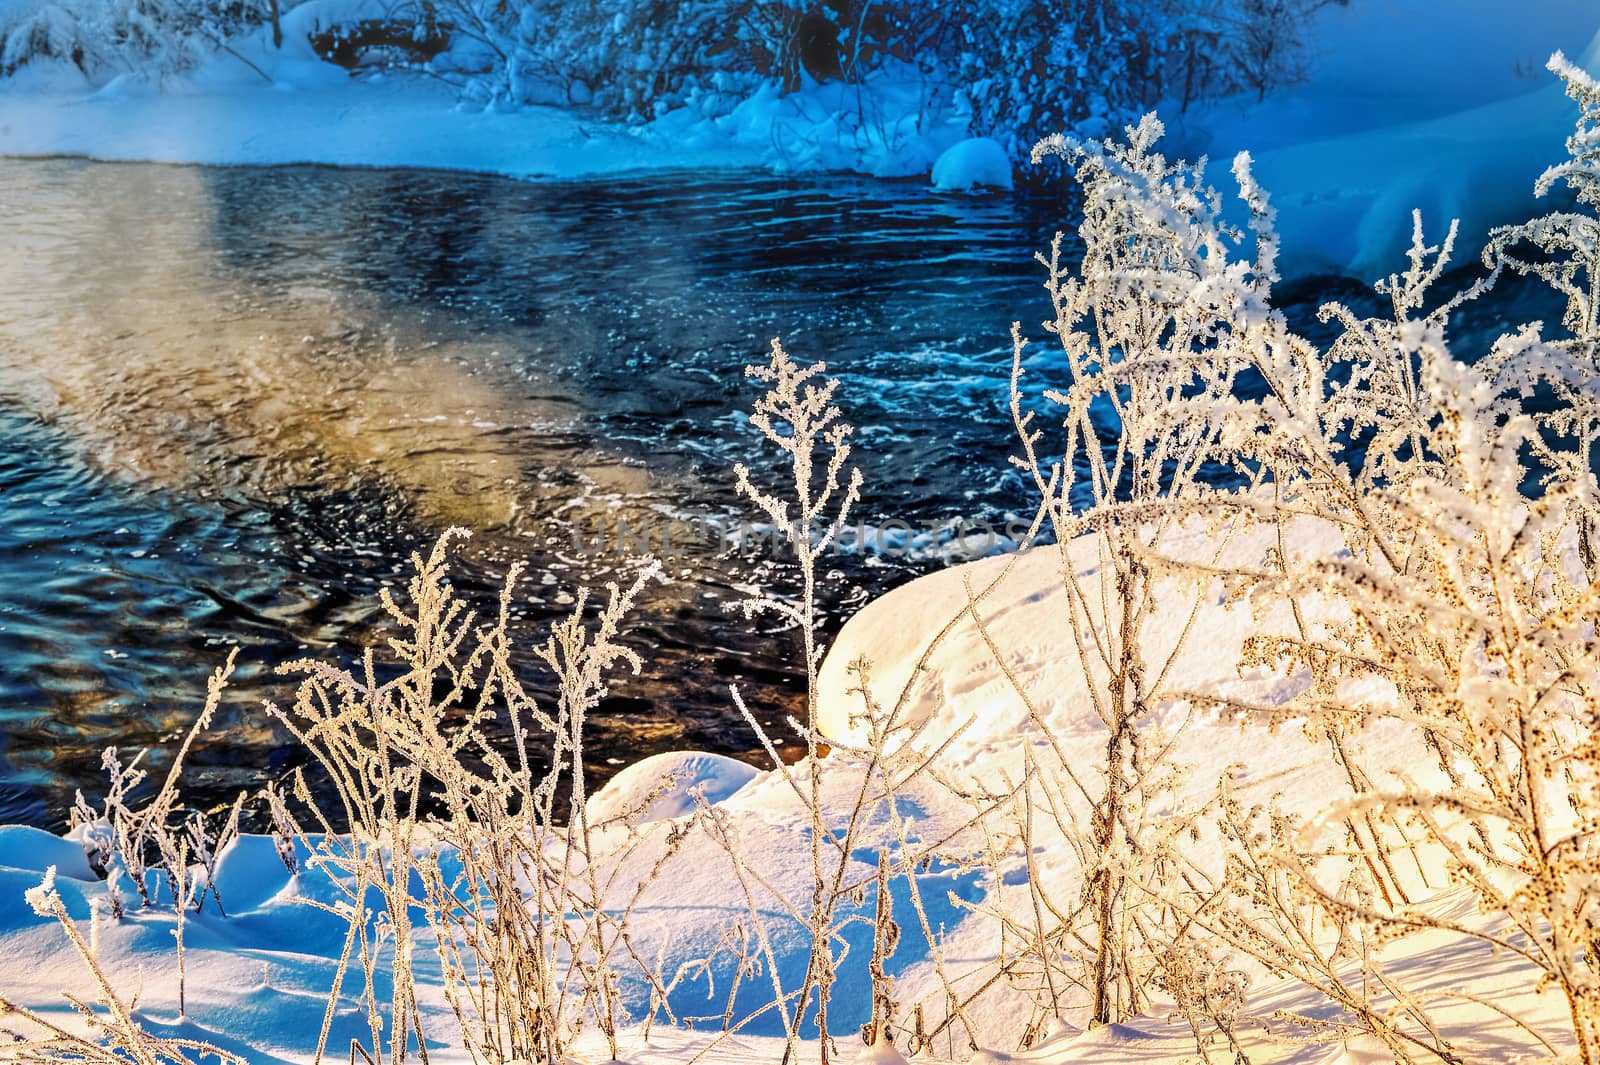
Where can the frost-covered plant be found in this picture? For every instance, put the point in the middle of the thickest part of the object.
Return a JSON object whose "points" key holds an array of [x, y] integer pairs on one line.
{"points": [[1469, 599], [1148, 322], [1207, 993], [519, 906], [1568, 241], [1260, 906], [797, 415], [885, 937], [1566, 256], [1462, 601], [854, 792], [144, 843], [1484, 640], [1462, 605], [139, 37]]}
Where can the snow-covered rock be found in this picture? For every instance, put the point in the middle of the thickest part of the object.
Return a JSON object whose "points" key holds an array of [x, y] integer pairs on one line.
{"points": [[881, 1052], [969, 164]]}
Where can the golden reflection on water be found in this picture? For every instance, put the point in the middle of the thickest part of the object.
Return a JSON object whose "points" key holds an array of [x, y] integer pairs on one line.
{"points": [[168, 369]]}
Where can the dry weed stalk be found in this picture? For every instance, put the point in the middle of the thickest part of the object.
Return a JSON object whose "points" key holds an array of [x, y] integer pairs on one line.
{"points": [[797, 415], [122, 837], [520, 907]]}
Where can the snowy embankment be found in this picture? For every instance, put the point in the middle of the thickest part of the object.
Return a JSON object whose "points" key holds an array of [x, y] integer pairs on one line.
{"points": [[1408, 104], [1404, 106], [256, 979], [256, 104]]}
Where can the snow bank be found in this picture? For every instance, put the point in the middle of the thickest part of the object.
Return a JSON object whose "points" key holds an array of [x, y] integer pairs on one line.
{"points": [[263, 105], [663, 786], [257, 978], [1406, 105], [959, 694], [371, 122], [1345, 202]]}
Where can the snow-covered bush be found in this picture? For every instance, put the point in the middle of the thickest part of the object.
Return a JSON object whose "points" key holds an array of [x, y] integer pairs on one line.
{"points": [[144, 846], [1461, 607], [1015, 69], [1148, 324], [854, 798], [1478, 618], [630, 60], [138, 37]]}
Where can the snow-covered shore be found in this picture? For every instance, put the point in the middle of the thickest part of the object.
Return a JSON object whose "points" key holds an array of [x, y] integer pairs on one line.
{"points": [[395, 122], [256, 980]]}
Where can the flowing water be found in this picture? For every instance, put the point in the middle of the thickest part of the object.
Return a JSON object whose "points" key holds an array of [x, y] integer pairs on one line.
{"points": [[233, 400]]}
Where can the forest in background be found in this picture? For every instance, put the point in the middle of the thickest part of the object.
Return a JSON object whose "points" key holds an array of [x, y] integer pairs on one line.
{"points": [[1019, 70]]}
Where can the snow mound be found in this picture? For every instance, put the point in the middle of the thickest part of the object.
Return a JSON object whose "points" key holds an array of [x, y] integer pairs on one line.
{"points": [[958, 693], [714, 776], [974, 162], [33, 850], [1345, 202], [1402, 109]]}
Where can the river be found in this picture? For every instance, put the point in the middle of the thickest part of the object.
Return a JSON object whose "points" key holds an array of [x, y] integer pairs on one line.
{"points": [[233, 400]]}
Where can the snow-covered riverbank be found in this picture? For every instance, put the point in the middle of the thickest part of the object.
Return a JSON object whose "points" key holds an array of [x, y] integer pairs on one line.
{"points": [[255, 981], [1459, 128]]}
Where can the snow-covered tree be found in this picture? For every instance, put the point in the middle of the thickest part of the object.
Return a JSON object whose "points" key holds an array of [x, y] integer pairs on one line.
{"points": [[140, 37]]}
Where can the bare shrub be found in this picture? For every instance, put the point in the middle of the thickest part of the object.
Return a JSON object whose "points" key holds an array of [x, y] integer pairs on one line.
{"points": [[462, 809], [1461, 608], [1149, 324], [518, 904]]}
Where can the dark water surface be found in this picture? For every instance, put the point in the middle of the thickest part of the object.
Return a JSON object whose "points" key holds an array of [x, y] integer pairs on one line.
{"points": [[233, 400]]}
